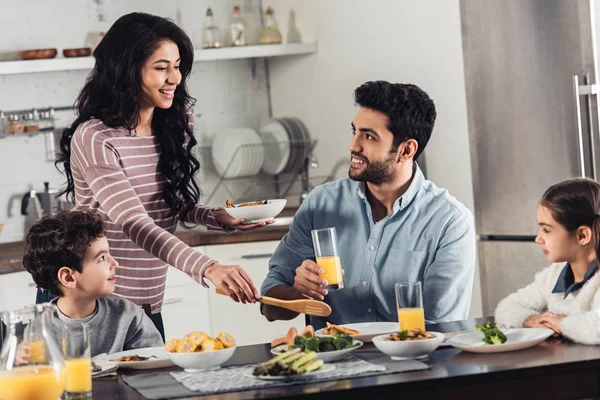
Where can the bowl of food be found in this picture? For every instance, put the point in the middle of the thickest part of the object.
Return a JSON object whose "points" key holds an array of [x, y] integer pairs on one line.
{"points": [[199, 352], [256, 211], [408, 344]]}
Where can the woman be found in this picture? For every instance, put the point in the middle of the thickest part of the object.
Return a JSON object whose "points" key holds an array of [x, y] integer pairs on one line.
{"points": [[129, 156]]}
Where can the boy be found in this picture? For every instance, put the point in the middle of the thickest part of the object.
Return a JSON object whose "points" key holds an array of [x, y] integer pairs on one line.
{"points": [[68, 255]]}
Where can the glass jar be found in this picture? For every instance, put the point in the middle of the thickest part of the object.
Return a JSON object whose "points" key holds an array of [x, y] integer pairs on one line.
{"points": [[41, 377], [238, 27], [14, 125], [270, 33], [46, 122], [210, 32], [30, 122]]}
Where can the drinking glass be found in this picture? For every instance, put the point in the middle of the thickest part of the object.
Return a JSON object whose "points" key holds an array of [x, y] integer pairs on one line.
{"points": [[78, 362], [409, 302], [326, 253]]}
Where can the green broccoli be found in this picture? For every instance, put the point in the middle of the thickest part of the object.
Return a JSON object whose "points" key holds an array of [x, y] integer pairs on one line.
{"points": [[326, 344], [341, 342], [491, 334], [312, 344], [300, 343]]}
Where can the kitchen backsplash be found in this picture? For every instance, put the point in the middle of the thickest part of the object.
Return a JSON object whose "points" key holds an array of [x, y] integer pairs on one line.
{"points": [[227, 93]]}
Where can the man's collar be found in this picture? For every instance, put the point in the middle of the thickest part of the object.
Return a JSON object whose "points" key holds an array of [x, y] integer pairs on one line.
{"points": [[408, 196]]}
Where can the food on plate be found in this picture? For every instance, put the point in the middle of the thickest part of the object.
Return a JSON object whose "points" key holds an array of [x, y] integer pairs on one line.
{"points": [[229, 204], [134, 357], [308, 332], [287, 339], [292, 362], [324, 343], [199, 341], [171, 345], [410, 334], [332, 329], [491, 334]]}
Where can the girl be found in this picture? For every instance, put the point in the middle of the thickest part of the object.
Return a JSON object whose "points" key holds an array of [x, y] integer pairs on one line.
{"points": [[565, 296], [129, 156]]}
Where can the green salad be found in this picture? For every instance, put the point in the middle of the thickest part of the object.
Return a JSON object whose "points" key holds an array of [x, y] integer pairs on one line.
{"points": [[324, 343], [491, 334]]}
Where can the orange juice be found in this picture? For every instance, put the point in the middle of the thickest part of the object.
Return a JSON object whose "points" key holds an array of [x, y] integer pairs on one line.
{"points": [[32, 383], [411, 318], [38, 352], [332, 271], [79, 375]]}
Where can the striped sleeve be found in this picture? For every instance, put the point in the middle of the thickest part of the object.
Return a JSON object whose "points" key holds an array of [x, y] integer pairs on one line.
{"points": [[203, 215], [112, 189]]}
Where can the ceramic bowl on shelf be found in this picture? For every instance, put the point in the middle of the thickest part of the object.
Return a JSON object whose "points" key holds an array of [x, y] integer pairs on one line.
{"points": [[77, 52], [202, 361], [408, 349], [37, 54], [259, 213]]}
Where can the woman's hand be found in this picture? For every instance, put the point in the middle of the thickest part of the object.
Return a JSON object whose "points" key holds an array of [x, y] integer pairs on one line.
{"points": [[237, 223], [234, 281]]}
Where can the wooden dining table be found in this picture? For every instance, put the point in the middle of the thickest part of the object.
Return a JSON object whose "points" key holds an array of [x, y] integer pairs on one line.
{"points": [[556, 369]]}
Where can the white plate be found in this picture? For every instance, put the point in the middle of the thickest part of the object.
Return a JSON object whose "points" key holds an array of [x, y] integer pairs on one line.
{"points": [[162, 360], [368, 330], [238, 152], [326, 356], [326, 368], [260, 213], [276, 143], [516, 339]]}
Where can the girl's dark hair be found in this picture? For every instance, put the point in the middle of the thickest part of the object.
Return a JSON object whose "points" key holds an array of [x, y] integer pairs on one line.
{"points": [[575, 203], [112, 93], [59, 241]]}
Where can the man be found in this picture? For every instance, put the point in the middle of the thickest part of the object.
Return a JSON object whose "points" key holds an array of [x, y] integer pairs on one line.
{"points": [[392, 224]]}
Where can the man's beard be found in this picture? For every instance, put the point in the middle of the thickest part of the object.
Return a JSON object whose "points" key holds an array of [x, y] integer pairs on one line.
{"points": [[376, 172]]}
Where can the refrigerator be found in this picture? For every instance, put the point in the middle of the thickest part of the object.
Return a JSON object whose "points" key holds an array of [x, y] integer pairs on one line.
{"points": [[532, 106]]}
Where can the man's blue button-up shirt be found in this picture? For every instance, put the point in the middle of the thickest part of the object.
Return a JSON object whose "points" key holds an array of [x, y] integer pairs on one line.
{"points": [[429, 237]]}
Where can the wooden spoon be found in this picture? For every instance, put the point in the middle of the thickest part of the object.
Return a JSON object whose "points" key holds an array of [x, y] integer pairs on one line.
{"points": [[303, 306]]}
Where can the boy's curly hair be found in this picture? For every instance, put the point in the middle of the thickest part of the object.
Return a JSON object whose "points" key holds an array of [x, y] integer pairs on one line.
{"points": [[59, 241]]}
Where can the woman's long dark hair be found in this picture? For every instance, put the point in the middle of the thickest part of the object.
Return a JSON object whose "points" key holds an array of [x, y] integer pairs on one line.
{"points": [[575, 203], [112, 94]]}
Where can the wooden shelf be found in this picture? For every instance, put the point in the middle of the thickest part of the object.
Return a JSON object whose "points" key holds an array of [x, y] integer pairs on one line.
{"points": [[225, 53]]}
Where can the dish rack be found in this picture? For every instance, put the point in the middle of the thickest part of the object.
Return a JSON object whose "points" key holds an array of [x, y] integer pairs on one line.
{"points": [[294, 182]]}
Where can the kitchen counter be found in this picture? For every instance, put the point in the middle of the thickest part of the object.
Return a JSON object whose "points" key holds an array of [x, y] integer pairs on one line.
{"points": [[11, 254]]}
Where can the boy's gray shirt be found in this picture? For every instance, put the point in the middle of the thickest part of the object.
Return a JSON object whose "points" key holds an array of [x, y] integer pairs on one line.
{"points": [[116, 325]]}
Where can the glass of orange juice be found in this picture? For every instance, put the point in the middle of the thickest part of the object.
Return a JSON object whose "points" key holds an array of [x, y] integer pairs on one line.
{"points": [[409, 301], [327, 257], [78, 362]]}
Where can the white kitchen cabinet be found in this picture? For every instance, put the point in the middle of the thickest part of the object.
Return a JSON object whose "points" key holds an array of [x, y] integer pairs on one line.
{"points": [[244, 321], [185, 307], [17, 290]]}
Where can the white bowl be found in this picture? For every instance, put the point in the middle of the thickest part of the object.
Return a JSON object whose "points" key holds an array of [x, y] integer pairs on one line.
{"points": [[408, 349], [201, 361], [261, 213], [326, 356]]}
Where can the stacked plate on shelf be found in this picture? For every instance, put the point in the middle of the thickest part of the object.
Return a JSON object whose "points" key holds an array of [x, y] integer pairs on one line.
{"points": [[286, 142], [238, 153]]}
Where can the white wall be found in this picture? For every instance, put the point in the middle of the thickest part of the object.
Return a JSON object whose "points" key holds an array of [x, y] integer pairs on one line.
{"points": [[411, 41], [226, 94]]}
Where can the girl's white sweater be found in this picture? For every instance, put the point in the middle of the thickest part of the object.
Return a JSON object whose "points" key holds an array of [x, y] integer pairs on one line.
{"points": [[581, 307]]}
